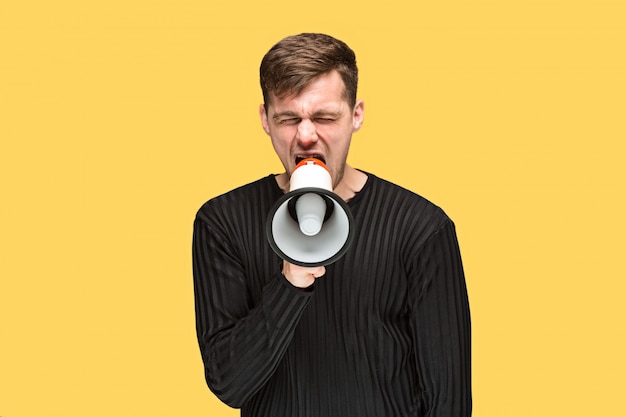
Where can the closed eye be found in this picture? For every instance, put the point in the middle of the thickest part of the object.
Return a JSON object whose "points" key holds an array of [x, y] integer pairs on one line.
{"points": [[289, 121]]}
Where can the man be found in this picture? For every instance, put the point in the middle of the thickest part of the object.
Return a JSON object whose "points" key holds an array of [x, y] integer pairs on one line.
{"points": [[383, 331]]}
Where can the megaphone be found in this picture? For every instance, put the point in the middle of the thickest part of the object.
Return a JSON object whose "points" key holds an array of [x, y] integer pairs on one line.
{"points": [[310, 225]]}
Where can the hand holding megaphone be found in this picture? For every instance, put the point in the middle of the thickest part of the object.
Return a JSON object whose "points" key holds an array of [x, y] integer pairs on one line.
{"points": [[310, 226], [302, 276]]}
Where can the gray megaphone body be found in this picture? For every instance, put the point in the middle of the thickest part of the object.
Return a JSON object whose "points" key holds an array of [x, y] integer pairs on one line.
{"points": [[310, 225]]}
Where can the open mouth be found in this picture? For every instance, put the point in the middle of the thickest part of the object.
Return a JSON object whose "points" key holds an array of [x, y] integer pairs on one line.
{"points": [[300, 158]]}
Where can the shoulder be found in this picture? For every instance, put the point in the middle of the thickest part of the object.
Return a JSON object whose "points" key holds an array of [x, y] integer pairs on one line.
{"points": [[225, 205], [392, 194], [406, 212]]}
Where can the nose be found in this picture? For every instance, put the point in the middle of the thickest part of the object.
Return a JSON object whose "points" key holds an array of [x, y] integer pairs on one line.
{"points": [[307, 133]]}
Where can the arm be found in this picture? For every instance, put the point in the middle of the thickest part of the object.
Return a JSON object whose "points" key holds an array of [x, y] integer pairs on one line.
{"points": [[241, 344], [440, 321]]}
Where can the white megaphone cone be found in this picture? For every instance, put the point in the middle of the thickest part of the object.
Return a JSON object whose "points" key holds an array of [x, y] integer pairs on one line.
{"points": [[310, 225]]}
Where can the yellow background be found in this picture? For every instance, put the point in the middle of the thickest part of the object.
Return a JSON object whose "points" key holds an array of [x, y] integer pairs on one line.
{"points": [[118, 119]]}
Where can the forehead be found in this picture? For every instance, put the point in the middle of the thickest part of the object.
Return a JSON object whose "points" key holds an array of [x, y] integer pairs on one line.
{"points": [[325, 91]]}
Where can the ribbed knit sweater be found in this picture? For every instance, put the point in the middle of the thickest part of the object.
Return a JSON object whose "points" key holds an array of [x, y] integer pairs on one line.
{"points": [[386, 332]]}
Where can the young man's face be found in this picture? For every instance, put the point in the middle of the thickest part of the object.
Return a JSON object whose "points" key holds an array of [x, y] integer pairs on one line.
{"points": [[318, 122]]}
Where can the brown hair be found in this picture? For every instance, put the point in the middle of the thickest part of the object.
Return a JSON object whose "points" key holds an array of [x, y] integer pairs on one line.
{"points": [[291, 64]]}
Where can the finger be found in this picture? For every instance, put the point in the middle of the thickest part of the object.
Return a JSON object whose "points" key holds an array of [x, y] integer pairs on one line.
{"points": [[319, 272]]}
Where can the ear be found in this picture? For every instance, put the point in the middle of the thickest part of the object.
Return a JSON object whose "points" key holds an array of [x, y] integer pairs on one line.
{"points": [[357, 115], [263, 115]]}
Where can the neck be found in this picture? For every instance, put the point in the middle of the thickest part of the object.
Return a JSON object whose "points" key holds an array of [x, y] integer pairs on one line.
{"points": [[351, 183]]}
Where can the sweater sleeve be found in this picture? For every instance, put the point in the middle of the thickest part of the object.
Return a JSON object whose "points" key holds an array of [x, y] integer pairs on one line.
{"points": [[241, 342], [440, 321]]}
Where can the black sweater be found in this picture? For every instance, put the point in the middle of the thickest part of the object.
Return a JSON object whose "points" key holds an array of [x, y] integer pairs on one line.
{"points": [[386, 332]]}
